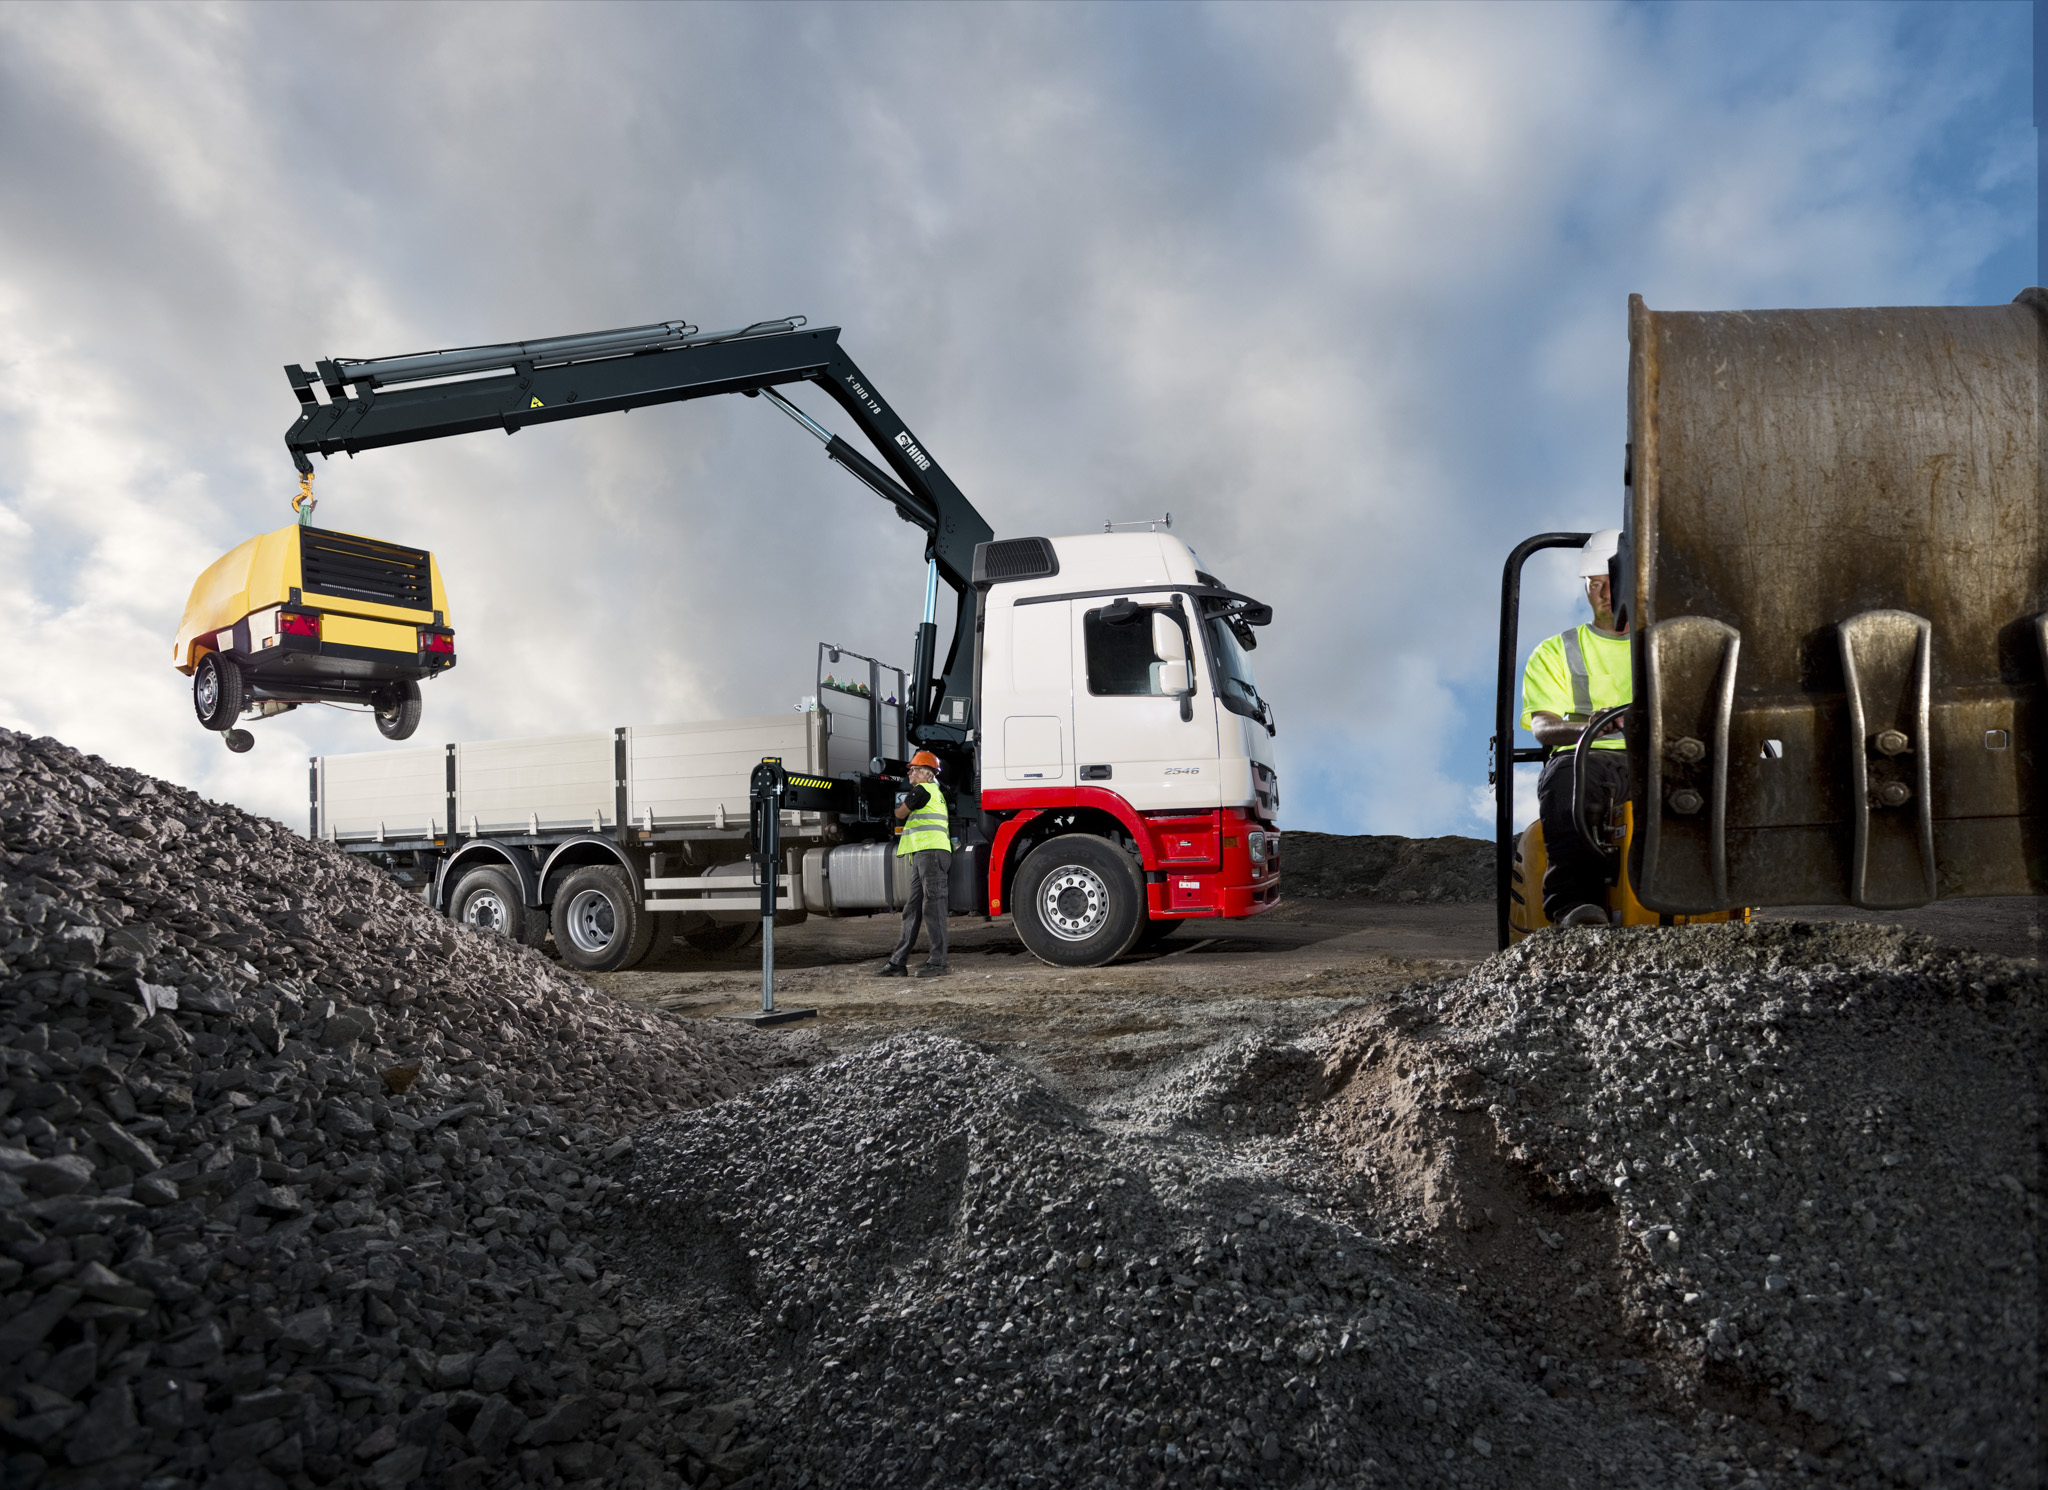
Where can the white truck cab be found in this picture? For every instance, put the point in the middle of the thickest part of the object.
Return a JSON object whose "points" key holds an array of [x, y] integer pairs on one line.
{"points": [[1117, 702]]}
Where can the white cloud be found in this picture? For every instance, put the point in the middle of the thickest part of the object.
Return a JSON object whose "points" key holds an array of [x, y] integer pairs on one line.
{"points": [[1342, 287]]}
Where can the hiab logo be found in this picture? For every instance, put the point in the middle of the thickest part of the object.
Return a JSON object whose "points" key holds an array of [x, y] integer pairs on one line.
{"points": [[910, 449]]}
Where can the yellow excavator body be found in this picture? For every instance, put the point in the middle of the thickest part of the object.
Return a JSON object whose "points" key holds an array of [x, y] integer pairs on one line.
{"points": [[1525, 889]]}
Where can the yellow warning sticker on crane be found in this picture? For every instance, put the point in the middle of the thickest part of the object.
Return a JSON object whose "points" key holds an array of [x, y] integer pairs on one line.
{"points": [[536, 404]]}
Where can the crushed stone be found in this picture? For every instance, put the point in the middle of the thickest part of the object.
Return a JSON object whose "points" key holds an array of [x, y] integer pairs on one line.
{"points": [[940, 1273], [1421, 871], [1787, 1173], [295, 1175], [301, 1186]]}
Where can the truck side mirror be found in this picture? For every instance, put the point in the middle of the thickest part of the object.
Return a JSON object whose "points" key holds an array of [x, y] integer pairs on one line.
{"points": [[1173, 678], [1168, 644]]}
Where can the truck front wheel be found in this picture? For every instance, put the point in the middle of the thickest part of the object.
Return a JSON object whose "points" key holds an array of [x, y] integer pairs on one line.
{"points": [[1079, 901], [600, 927]]}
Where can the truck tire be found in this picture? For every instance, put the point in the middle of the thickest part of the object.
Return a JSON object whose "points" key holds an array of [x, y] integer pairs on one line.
{"points": [[489, 900], [1079, 901], [600, 927], [661, 936], [218, 692], [398, 711]]}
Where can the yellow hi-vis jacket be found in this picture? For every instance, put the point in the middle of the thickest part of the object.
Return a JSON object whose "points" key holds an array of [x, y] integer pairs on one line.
{"points": [[927, 827], [1575, 674]]}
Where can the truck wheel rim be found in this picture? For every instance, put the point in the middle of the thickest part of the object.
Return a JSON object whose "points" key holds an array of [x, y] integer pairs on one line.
{"points": [[592, 922], [486, 912], [1073, 903], [208, 689]]}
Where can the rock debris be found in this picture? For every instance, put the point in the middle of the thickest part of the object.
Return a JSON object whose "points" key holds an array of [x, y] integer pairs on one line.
{"points": [[300, 1186], [1790, 1172], [295, 1175]]}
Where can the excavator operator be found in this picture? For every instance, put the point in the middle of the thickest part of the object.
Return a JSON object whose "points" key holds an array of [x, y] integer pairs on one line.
{"points": [[927, 841], [1570, 677]]}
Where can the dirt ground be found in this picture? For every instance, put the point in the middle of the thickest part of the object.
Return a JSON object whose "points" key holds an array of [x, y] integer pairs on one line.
{"points": [[1092, 1033]]}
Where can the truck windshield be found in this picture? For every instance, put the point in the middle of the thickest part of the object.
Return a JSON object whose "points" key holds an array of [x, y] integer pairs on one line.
{"points": [[1234, 683]]}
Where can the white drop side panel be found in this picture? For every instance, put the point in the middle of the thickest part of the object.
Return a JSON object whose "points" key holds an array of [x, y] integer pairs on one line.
{"points": [[384, 793], [566, 781], [684, 773]]}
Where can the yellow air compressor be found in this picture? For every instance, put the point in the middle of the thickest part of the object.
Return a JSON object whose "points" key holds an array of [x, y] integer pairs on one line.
{"points": [[308, 615]]}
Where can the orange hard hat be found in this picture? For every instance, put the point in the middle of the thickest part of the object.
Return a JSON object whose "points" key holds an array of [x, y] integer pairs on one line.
{"points": [[925, 758]]}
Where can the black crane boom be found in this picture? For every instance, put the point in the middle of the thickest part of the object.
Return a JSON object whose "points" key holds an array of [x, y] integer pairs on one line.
{"points": [[374, 402]]}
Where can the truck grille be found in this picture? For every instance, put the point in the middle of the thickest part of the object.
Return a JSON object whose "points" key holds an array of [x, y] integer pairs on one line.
{"points": [[364, 569]]}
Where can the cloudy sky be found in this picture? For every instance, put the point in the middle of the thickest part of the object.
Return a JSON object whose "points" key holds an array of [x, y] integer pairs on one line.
{"points": [[1341, 287]]}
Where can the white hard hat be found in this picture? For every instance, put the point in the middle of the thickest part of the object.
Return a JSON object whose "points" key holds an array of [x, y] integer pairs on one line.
{"points": [[1597, 551]]}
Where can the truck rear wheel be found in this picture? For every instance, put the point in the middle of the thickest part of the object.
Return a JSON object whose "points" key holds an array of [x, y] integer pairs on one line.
{"points": [[1079, 901], [600, 926], [489, 900], [219, 693]]}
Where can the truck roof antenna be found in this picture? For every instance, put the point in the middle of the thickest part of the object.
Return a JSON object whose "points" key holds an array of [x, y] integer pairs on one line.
{"points": [[1149, 524]]}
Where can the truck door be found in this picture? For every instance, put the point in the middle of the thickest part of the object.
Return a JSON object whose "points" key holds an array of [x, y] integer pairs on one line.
{"points": [[1032, 717], [1144, 712]]}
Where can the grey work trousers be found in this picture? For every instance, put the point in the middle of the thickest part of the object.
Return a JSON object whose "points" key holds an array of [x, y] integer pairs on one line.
{"points": [[931, 877]]}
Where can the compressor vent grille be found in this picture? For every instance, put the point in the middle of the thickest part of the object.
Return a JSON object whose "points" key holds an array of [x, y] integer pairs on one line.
{"points": [[364, 569], [1014, 558]]}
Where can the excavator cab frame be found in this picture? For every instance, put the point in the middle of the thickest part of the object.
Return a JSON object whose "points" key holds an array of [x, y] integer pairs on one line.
{"points": [[1520, 857], [1834, 573]]}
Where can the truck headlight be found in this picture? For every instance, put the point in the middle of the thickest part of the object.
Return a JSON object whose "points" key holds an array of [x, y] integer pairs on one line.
{"points": [[1257, 841]]}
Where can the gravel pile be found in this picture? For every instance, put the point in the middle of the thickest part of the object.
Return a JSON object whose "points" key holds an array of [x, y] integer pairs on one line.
{"points": [[295, 1177], [1796, 1168], [1428, 871], [931, 1271], [301, 1186]]}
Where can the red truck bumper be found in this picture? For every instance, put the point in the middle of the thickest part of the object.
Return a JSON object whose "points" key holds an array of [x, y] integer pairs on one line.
{"points": [[1197, 864]]}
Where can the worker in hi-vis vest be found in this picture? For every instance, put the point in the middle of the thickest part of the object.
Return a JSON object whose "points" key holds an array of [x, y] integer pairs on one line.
{"points": [[1571, 677], [927, 841]]}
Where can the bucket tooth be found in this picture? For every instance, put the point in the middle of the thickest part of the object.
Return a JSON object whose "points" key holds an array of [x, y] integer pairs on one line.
{"points": [[1887, 667], [1689, 665]]}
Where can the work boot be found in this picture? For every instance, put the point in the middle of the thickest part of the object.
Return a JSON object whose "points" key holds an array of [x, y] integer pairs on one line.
{"points": [[930, 970], [1584, 915], [892, 970]]}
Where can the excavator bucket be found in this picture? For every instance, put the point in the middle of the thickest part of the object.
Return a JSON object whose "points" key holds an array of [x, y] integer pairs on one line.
{"points": [[1836, 560]]}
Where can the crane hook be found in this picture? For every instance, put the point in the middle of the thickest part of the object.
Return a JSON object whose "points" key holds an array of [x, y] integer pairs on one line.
{"points": [[304, 502]]}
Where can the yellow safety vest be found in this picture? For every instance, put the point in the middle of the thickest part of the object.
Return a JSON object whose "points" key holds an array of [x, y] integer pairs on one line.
{"points": [[927, 827], [1576, 673]]}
